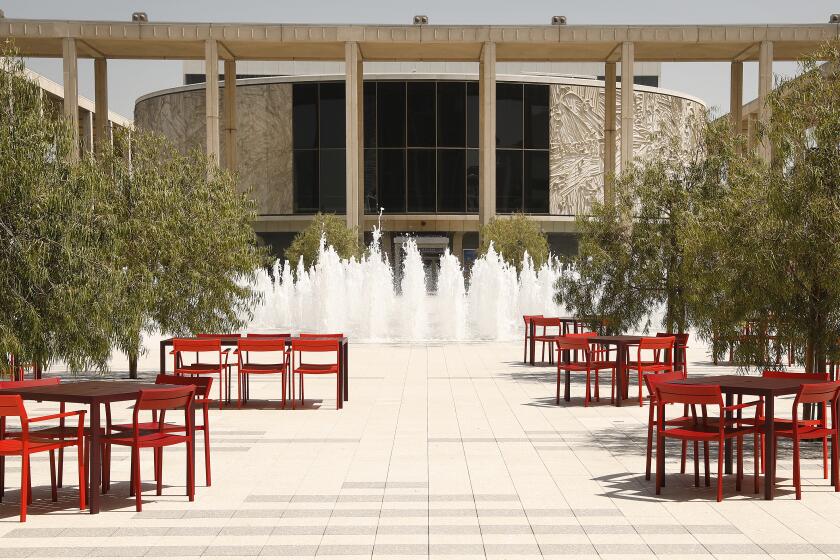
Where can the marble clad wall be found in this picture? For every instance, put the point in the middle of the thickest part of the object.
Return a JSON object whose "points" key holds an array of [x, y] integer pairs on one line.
{"points": [[264, 136], [576, 139]]}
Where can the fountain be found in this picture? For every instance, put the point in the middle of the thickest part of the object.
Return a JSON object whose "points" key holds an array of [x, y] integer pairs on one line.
{"points": [[360, 298]]}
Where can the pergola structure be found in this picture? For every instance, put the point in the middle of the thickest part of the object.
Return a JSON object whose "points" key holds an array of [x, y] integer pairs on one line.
{"points": [[354, 44]]}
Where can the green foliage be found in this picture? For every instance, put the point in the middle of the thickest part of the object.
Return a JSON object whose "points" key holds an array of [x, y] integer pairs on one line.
{"points": [[631, 257], [769, 250], [513, 237], [334, 229]]}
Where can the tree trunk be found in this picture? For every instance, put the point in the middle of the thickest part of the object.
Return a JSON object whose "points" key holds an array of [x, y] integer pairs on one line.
{"points": [[809, 356], [132, 365]]}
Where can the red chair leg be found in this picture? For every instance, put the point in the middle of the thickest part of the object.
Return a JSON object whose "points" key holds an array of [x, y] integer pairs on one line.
{"points": [[756, 467], [53, 487], [159, 469], [796, 475], [825, 457], [206, 430], [660, 462], [136, 485], [697, 465], [649, 447], [557, 398], [190, 472], [60, 480], [708, 480], [29, 495], [684, 452], [24, 486]]}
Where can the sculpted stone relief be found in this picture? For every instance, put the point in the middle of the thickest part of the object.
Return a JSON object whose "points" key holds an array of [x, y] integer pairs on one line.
{"points": [[576, 139]]}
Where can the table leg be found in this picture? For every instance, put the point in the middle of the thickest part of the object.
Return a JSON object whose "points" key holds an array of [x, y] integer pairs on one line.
{"points": [[619, 374], [345, 367], [162, 357], [567, 394], [532, 345], [769, 447], [94, 459], [727, 445]]}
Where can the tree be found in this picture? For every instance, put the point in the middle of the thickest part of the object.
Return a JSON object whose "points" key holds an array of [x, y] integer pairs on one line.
{"points": [[631, 253], [57, 231], [771, 248], [333, 229], [186, 250], [513, 237]]}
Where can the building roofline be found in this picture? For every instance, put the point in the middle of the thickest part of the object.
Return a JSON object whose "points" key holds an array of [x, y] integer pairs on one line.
{"points": [[57, 90]]}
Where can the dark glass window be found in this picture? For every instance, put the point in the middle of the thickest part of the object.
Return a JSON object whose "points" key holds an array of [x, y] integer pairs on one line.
{"points": [[452, 192], [391, 180], [536, 116], [472, 180], [421, 114], [508, 181], [390, 104], [370, 182], [332, 180], [508, 115], [306, 178], [331, 116], [536, 181], [452, 110], [305, 116], [370, 114], [472, 114], [421, 180]]}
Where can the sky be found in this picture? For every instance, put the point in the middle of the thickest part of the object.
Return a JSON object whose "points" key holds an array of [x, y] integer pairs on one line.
{"points": [[128, 80]]}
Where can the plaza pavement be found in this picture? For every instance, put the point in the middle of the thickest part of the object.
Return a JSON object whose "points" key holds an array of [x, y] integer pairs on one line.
{"points": [[444, 450]]}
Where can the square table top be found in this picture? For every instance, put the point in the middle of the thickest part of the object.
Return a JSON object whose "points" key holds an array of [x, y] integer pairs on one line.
{"points": [[234, 340], [617, 339], [84, 392], [750, 384]]}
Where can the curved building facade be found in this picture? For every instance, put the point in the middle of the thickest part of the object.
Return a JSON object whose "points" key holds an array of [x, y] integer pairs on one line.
{"points": [[421, 148]]}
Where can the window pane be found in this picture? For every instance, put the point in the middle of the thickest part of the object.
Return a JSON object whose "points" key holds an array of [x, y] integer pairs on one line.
{"points": [[333, 191], [421, 114], [472, 114], [421, 180], [371, 205], [509, 115], [306, 180], [452, 192], [391, 180], [508, 181], [452, 112], [390, 101], [305, 115], [536, 182], [536, 116], [472, 180], [331, 117], [370, 114]]}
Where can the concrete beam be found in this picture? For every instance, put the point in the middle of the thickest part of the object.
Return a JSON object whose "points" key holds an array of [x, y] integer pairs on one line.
{"points": [[736, 94], [230, 115], [627, 106], [609, 131], [765, 84], [211, 109], [354, 138], [487, 134], [101, 123], [71, 90]]}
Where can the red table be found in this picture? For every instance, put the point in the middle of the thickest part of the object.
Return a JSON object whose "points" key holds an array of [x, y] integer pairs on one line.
{"points": [[622, 344]]}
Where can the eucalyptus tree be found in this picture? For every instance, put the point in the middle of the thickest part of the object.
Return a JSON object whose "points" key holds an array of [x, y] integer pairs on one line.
{"points": [[514, 236], [187, 249], [333, 229], [57, 232]]}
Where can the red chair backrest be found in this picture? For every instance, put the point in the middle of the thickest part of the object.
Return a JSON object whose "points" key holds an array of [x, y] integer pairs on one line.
{"points": [[196, 345], [795, 375], [653, 380], [12, 406], [315, 345], [580, 335], [317, 335], [680, 339], [527, 318], [573, 343], [672, 393], [657, 343], [177, 398], [30, 383], [547, 321], [251, 344], [202, 384], [811, 393], [268, 335]]}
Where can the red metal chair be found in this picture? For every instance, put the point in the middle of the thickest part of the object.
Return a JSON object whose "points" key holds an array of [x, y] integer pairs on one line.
{"points": [[681, 344], [547, 337], [26, 442], [702, 428], [575, 354], [318, 345], [262, 345], [527, 320], [662, 351], [652, 380], [247, 387], [157, 401], [825, 394], [198, 346]]}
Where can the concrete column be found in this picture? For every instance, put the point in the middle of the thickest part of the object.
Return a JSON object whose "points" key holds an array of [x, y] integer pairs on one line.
{"points": [[627, 105], [71, 89], [765, 84], [230, 115], [458, 245], [487, 134], [736, 94], [86, 132], [101, 124], [609, 131], [354, 139], [211, 109]]}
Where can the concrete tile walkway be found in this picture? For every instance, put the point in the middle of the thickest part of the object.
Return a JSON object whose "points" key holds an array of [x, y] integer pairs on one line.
{"points": [[444, 450]]}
